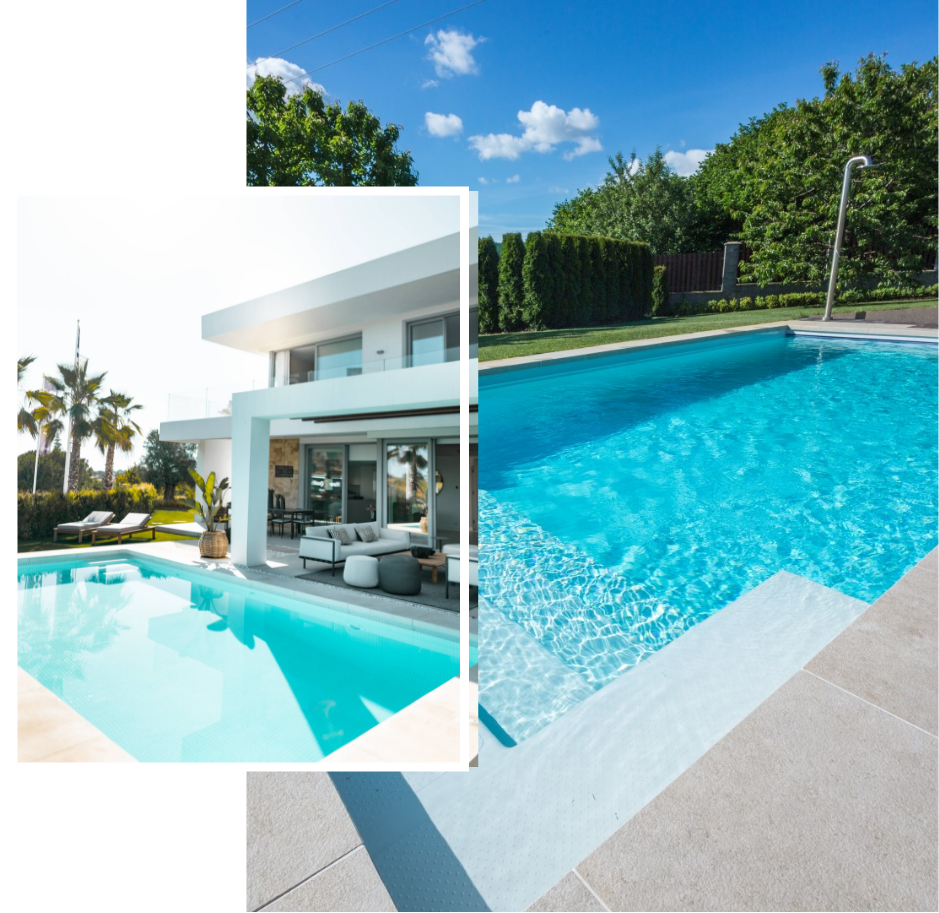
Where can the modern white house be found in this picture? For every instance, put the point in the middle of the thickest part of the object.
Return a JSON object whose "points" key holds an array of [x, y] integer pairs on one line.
{"points": [[359, 418]]}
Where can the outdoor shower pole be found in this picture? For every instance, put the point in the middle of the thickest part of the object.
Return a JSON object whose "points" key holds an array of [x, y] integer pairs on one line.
{"points": [[864, 161]]}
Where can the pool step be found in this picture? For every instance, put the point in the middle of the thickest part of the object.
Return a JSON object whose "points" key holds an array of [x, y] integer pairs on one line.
{"points": [[534, 687]]}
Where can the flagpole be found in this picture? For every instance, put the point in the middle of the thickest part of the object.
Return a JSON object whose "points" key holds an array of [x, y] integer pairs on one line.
{"points": [[68, 418]]}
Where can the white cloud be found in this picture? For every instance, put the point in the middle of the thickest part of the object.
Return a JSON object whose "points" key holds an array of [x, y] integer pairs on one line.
{"points": [[485, 182], [452, 52], [443, 124], [429, 84], [546, 127], [686, 163], [513, 180], [682, 143], [277, 66]]}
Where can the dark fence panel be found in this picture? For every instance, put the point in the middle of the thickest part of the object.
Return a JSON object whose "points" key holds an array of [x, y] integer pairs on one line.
{"points": [[693, 272]]}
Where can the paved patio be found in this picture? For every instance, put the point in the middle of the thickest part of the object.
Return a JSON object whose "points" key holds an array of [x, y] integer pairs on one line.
{"points": [[823, 798]]}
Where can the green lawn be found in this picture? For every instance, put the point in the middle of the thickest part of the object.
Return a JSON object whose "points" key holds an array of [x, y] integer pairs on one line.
{"points": [[536, 342], [159, 516]]}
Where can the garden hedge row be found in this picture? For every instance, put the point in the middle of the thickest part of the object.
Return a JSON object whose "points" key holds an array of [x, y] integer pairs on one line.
{"points": [[805, 299], [39, 514], [660, 304], [578, 280]]}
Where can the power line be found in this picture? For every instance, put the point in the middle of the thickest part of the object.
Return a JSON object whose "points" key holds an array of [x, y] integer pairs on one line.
{"points": [[383, 41], [320, 35], [251, 25]]}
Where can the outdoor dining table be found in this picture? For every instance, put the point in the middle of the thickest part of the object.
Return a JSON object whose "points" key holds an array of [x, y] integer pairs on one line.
{"points": [[294, 515]]}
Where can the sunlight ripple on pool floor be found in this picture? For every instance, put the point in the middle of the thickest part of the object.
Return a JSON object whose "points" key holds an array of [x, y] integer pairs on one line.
{"points": [[626, 499]]}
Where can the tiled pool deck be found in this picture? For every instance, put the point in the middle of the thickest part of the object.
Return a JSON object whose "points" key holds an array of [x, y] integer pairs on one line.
{"points": [[426, 731]]}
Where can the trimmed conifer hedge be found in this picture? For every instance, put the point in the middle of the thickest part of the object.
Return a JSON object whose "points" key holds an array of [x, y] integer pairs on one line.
{"points": [[488, 286], [511, 291], [579, 280]]}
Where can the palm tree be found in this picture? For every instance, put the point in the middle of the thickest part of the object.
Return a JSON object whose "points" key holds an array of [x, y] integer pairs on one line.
{"points": [[37, 413], [115, 429], [75, 393], [25, 418], [412, 457]]}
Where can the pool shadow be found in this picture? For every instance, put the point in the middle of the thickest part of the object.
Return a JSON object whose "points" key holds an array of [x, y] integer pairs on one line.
{"points": [[417, 865]]}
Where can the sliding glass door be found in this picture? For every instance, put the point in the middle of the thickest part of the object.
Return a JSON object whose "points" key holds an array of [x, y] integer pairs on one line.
{"points": [[407, 467], [325, 473]]}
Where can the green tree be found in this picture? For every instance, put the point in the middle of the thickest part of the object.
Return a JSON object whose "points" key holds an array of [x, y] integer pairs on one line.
{"points": [[115, 429], [74, 395], [50, 470], [129, 476], [511, 288], [301, 141], [167, 463], [779, 177], [488, 285], [641, 201]]}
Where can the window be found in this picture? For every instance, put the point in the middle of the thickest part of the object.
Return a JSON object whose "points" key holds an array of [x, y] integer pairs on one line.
{"points": [[407, 466], [437, 339], [317, 361]]}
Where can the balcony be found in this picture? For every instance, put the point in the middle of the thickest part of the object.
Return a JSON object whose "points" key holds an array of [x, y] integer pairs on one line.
{"points": [[213, 402]]}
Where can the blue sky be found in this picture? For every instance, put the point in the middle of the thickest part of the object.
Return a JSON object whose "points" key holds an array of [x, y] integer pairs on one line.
{"points": [[524, 101]]}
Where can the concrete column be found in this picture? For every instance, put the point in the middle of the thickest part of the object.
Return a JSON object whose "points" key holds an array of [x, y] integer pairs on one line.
{"points": [[250, 454], [731, 262], [200, 458]]}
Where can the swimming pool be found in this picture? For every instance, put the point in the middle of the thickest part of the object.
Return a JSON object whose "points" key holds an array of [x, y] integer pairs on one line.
{"points": [[624, 499], [178, 665]]}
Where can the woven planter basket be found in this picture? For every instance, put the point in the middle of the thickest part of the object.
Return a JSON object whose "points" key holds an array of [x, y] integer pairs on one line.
{"points": [[213, 545]]}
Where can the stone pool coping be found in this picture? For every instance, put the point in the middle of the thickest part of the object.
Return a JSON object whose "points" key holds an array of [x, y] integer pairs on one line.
{"points": [[834, 328], [50, 730]]}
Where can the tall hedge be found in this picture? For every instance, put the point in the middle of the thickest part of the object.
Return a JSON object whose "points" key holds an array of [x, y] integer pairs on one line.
{"points": [[511, 288], [488, 286], [39, 514], [577, 280], [660, 305]]}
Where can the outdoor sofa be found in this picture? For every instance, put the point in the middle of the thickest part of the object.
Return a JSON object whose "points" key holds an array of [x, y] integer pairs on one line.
{"points": [[319, 545], [132, 523], [95, 519]]}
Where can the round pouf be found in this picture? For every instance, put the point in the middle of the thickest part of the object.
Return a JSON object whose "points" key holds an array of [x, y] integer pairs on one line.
{"points": [[400, 574], [361, 571]]}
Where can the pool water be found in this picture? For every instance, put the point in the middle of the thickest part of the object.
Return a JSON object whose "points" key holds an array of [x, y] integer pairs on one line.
{"points": [[190, 666], [625, 499]]}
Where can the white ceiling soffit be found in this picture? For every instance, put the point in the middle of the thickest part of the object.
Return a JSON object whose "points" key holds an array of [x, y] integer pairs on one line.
{"points": [[423, 276]]}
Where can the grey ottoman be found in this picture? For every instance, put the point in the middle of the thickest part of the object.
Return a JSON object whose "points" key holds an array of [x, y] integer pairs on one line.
{"points": [[361, 571], [400, 575]]}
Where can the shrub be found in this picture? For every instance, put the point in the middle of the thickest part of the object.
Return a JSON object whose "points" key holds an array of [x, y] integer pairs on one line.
{"points": [[745, 304], [175, 504], [511, 290], [39, 514], [660, 307], [537, 284], [488, 286]]}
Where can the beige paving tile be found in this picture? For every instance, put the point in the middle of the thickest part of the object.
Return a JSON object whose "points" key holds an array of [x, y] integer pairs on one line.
{"points": [[888, 655], [100, 748], [816, 801], [297, 825], [426, 731], [569, 894], [351, 884], [46, 725]]}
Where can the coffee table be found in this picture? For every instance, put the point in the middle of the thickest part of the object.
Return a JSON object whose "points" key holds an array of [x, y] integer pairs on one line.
{"points": [[436, 560]]}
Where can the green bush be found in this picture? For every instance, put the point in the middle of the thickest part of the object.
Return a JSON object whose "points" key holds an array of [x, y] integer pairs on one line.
{"points": [[746, 304], [488, 286], [576, 280], [511, 290], [660, 306], [38, 515]]}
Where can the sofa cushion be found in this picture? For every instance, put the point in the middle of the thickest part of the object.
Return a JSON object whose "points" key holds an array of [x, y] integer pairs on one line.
{"points": [[367, 533], [341, 534], [380, 547]]}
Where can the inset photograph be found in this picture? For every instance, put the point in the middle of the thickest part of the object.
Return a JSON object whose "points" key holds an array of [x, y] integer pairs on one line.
{"points": [[240, 506]]}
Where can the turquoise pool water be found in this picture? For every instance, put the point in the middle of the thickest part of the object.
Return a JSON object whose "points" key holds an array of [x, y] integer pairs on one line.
{"points": [[627, 498], [180, 666]]}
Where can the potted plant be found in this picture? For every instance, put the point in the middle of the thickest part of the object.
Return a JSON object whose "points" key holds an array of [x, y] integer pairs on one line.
{"points": [[213, 543]]}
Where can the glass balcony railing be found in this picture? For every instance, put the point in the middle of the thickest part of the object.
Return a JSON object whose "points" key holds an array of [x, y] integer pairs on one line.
{"points": [[214, 402], [440, 356]]}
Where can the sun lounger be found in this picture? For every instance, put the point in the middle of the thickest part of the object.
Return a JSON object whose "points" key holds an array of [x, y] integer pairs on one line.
{"points": [[95, 519], [132, 523]]}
